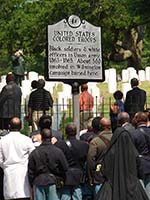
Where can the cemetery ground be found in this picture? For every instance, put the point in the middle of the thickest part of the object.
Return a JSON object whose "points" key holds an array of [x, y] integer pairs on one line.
{"points": [[104, 101]]}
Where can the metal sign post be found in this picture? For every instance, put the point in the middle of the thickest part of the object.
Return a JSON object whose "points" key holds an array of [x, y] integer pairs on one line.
{"points": [[76, 111]]}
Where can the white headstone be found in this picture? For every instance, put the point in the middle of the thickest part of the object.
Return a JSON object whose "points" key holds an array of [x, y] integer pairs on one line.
{"points": [[2, 82], [147, 71], [141, 75], [93, 89], [132, 73], [112, 83], [125, 88], [33, 76], [26, 87], [49, 86], [41, 77], [106, 75], [67, 90], [3, 79], [125, 75]]}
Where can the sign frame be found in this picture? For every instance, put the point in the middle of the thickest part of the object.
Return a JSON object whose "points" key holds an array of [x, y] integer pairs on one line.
{"points": [[74, 24]]}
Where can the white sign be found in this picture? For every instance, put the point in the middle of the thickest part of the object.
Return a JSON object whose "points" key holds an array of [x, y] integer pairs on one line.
{"points": [[74, 51]]}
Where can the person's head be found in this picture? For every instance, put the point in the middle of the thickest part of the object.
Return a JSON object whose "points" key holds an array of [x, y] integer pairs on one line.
{"points": [[36, 136], [96, 125], [10, 77], [140, 118], [71, 129], [84, 87], [134, 82], [41, 83], [34, 84], [45, 122], [118, 95], [123, 117], [46, 134], [105, 124], [15, 124]]}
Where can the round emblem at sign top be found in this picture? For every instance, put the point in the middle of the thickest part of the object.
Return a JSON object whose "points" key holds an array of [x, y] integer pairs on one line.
{"points": [[74, 21]]}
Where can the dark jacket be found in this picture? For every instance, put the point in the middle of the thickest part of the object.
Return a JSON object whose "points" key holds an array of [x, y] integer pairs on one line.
{"points": [[10, 101], [46, 162], [120, 170], [76, 157], [40, 99], [18, 65], [141, 140], [88, 136], [135, 101]]}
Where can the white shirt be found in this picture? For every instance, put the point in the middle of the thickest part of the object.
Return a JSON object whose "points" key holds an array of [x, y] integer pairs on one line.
{"points": [[14, 152]]}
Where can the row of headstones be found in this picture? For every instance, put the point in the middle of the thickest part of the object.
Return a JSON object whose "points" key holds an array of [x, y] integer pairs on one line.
{"points": [[110, 78], [127, 75], [49, 85]]}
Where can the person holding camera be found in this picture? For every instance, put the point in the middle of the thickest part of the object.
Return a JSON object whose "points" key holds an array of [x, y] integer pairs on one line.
{"points": [[18, 64]]}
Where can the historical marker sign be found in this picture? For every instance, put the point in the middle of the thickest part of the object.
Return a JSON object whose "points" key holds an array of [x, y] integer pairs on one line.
{"points": [[74, 51]]}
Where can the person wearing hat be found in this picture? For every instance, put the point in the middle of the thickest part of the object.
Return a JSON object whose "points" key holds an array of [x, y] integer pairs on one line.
{"points": [[18, 64]]}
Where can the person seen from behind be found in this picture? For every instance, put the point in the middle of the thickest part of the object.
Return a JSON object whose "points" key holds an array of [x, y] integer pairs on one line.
{"points": [[76, 154], [141, 140], [10, 102], [96, 148], [40, 102], [115, 108], [15, 149], [120, 170], [86, 102], [135, 99], [46, 162]]}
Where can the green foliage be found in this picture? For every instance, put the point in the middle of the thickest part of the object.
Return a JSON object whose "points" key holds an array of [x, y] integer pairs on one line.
{"points": [[24, 22]]}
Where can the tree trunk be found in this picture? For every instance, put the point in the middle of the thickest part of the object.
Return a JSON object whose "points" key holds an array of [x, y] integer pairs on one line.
{"points": [[129, 49]]}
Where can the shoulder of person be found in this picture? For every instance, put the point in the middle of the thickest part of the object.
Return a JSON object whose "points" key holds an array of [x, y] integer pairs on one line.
{"points": [[105, 132], [78, 144], [95, 140], [57, 149], [83, 142], [26, 138], [34, 152], [60, 144]]}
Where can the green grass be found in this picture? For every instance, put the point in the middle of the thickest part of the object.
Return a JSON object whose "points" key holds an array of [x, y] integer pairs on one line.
{"points": [[107, 97]]}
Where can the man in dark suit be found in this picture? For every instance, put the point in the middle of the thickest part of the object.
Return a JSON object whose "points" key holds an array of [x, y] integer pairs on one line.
{"points": [[135, 99]]}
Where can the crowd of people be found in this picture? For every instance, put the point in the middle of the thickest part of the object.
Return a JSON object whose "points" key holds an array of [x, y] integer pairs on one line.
{"points": [[110, 161]]}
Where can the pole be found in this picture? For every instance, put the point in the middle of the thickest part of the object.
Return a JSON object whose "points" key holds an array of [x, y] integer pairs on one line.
{"points": [[76, 110]]}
